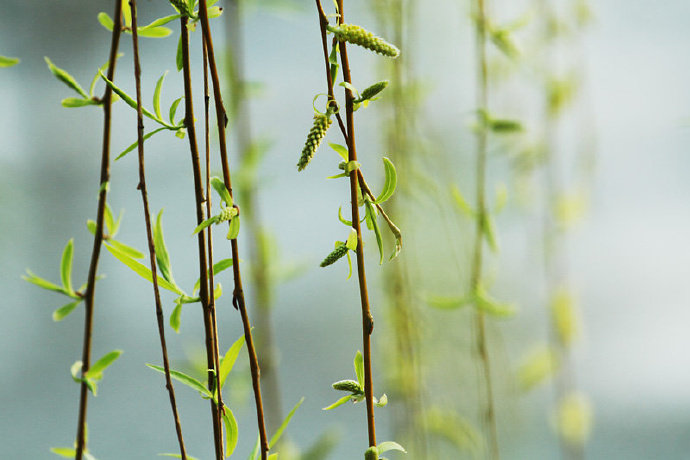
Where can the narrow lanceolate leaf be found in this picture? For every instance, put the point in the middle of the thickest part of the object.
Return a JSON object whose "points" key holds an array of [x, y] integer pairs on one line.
{"points": [[283, 426], [72, 102], [233, 228], [136, 143], [154, 32], [359, 36], [161, 21], [316, 134], [489, 229], [220, 188], [371, 218], [122, 247], [228, 361], [339, 402], [173, 109], [66, 452], [62, 312], [390, 183], [359, 368], [340, 150], [131, 102], [218, 267], [45, 284], [142, 270], [95, 372], [184, 378], [179, 57], [108, 218], [161, 250], [127, 13], [106, 21], [489, 305], [8, 61], [448, 303], [461, 202], [157, 96], [66, 266], [66, 78], [176, 316], [231, 431]]}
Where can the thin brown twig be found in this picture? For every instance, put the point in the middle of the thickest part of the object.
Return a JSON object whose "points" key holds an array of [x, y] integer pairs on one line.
{"points": [[238, 293], [149, 233], [98, 235], [203, 264]]}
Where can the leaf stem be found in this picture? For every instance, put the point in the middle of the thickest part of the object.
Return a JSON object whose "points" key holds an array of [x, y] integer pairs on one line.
{"points": [[476, 270], [238, 293], [149, 233], [203, 264], [98, 235]]}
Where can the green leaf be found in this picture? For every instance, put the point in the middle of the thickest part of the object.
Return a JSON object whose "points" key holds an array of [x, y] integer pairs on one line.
{"points": [[142, 270], [359, 368], [157, 96], [62, 312], [255, 451], [218, 267], [448, 303], [45, 284], [339, 402], [281, 428], [371, 217], [132, 103], [127, 13], [153, 32], [95, 372], [162, 21], [231, 431], [228, 361], [489, 229], [342, 219], [214, 11], [233, 228], [461, 202], [136, 143], [351, 242], [333, 60], [66, 78], [8, 61], [184, 378], [207, 223], [219, 186], [122, 247], [161, 251], [390, 445], [175, 316], [173, 109], [340, 150], [106, 21], [108, 218], [382, 401], [91, 226], [72, 102], [179, 57], [66, 267], [66, 452], [390, 183], [489, 305]]}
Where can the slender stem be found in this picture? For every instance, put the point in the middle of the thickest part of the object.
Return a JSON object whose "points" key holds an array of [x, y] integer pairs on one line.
{"points": [[149, 233], [238, 293], [367, 319], [203, 264], [476, 270], [98, 236], [251, 220], [209, 234]]}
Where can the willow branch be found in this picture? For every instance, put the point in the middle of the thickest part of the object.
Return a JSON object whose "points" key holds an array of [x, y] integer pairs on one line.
{"points": [[238, 293], [476, 269], [203, 264], [149, 233], [98, 235]]}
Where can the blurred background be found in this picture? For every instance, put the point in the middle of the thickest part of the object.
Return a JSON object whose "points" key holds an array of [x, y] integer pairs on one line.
{"points": [[591, 246]]}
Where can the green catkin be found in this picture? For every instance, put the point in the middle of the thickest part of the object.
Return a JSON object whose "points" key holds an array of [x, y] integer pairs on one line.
{"points": [[349, 385], [359, 36], [372, 453], [338, 253], [227, 214], [372, 91], [316, 134]]}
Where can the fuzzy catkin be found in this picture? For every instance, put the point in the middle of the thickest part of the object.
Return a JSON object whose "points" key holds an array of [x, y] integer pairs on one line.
{"points": [[316, 134], [348, 385], [372, 91], [359, 36], [338, 253]]}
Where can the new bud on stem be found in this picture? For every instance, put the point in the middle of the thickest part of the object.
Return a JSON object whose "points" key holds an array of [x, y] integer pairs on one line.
{"points": [[349, 385], [338, 253], [372, 453], [362, 37], [316, 134]]}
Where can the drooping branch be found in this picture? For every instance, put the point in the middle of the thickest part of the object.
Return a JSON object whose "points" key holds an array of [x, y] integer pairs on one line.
{"points": [[89, 294], [149, 233]]}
